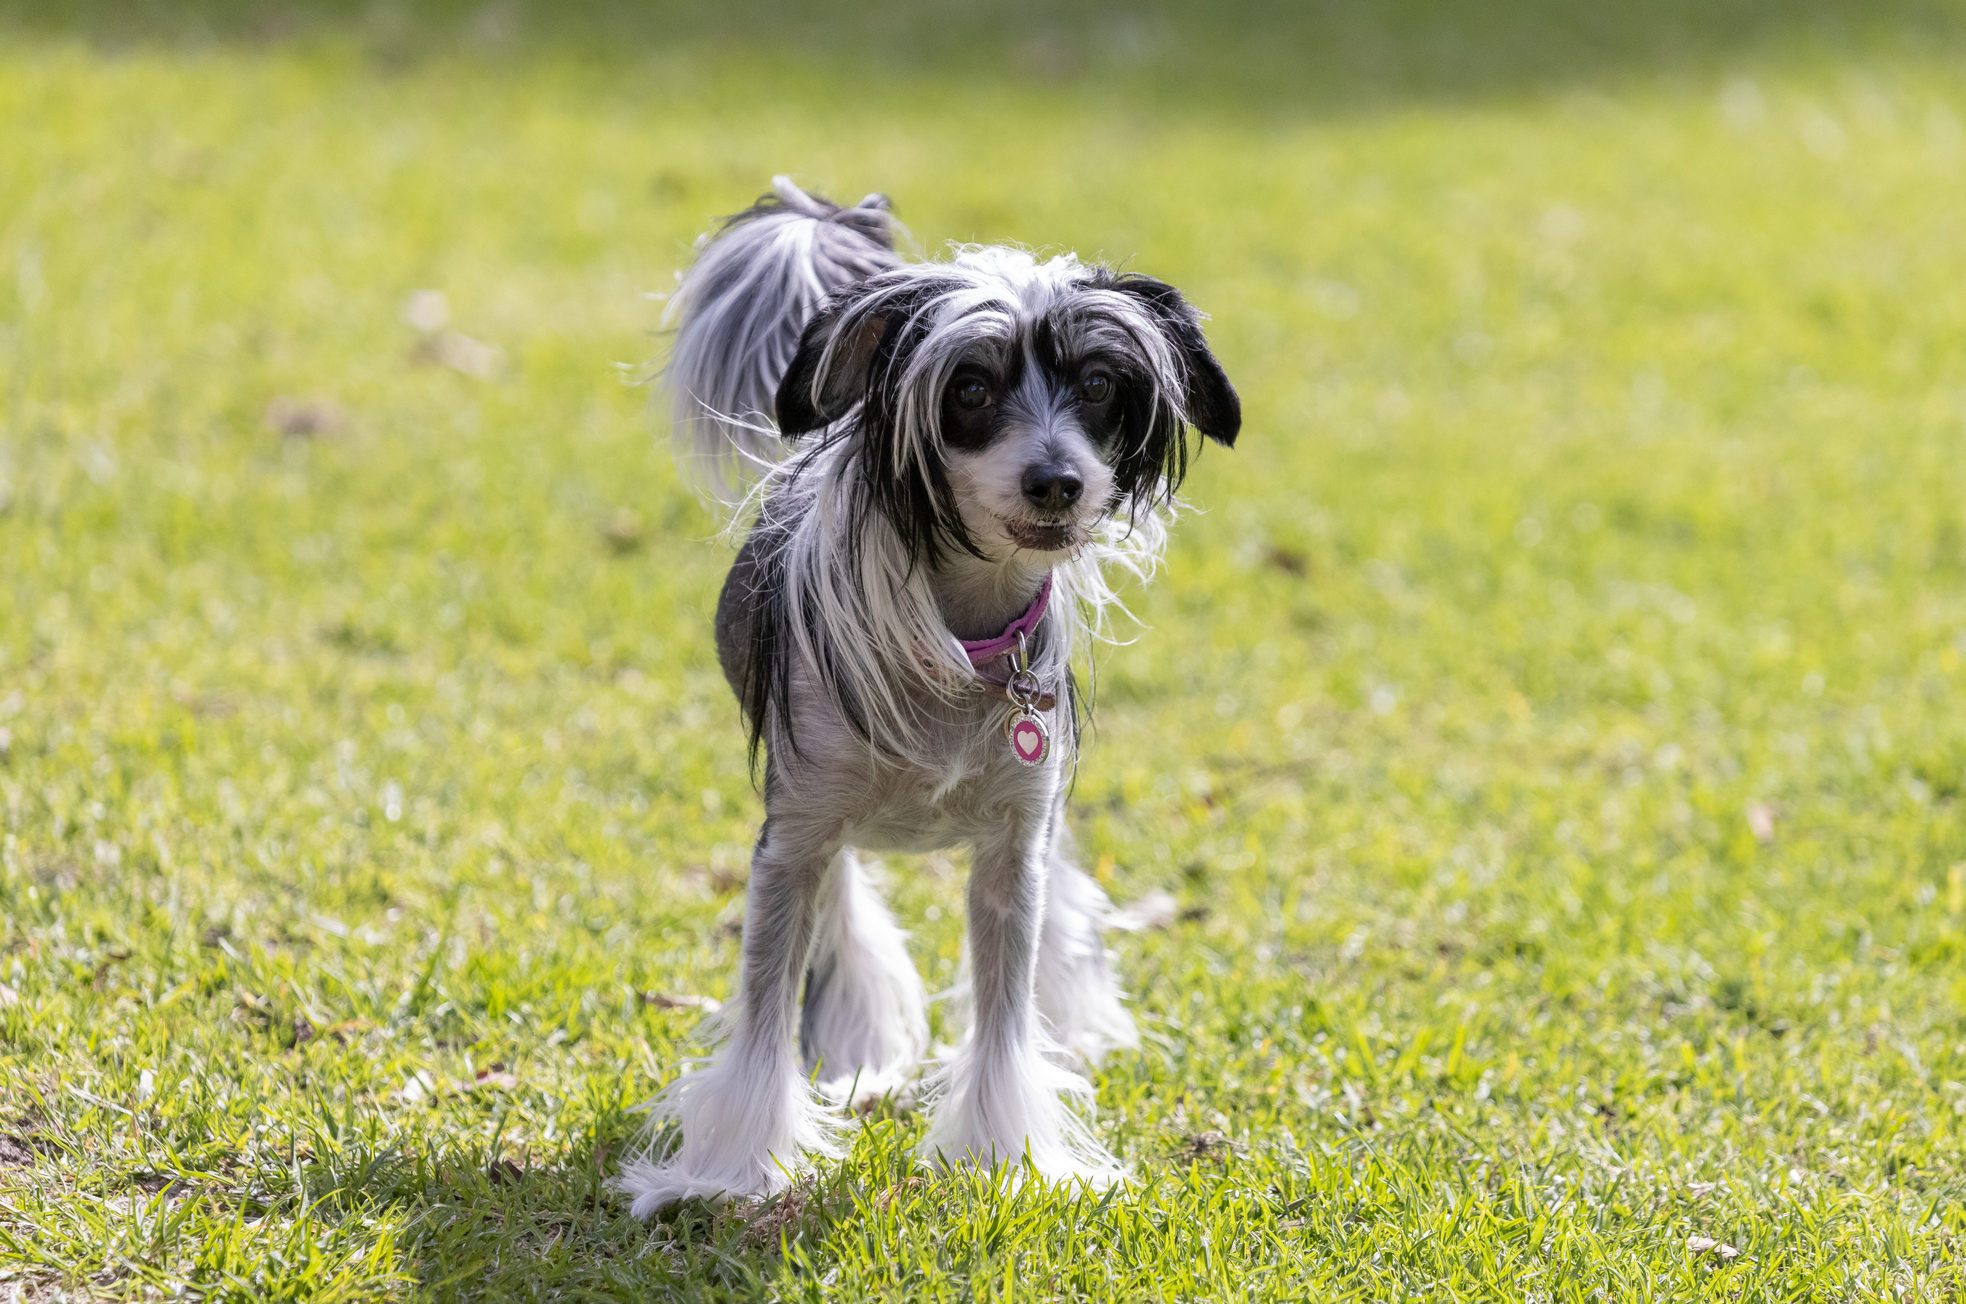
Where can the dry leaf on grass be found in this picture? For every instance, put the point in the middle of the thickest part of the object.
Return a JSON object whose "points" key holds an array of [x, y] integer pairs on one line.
{"points": [[461, 353], [1289, 560], [422, 1086], [1708, 1245], [1212, 1144], [682, 1001], [426, 311], [624, 532], [304, 418], [493, 1079], [771, 1219]]}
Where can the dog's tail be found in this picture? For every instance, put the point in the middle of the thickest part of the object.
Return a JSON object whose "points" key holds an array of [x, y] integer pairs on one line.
{"points": [[738, 314]]}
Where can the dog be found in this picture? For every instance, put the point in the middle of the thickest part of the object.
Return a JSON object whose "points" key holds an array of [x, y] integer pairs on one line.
{"points": [[949, 464]]}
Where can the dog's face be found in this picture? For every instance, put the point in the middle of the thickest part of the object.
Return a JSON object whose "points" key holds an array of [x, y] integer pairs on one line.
{"points": [[1007, 406], [1030, 437]]}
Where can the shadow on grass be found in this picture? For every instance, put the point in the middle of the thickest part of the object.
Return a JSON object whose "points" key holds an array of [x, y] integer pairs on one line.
{"points": [[552, 1227], [541, 1226], [1270, 57]]}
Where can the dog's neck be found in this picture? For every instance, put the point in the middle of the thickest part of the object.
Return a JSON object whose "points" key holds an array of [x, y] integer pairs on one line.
{"points": [[980, 597]]}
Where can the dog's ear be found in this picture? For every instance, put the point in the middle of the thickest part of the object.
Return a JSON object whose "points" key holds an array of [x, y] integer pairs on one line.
{"points": [[828, 374], [1207, 398]]}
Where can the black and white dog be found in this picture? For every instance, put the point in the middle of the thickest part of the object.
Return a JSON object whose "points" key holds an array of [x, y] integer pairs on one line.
{"points": [[958, 458]]}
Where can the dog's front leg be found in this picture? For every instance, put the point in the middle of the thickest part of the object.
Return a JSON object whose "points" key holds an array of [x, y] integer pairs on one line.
{"points": [[748, 1118], [1000, 1098]]}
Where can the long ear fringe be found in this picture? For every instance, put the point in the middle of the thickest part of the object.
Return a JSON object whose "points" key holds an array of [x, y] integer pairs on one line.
{"points": [[1209, 402]]}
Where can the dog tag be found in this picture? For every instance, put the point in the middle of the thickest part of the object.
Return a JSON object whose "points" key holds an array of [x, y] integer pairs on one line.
{"points": [[1030, 741]]}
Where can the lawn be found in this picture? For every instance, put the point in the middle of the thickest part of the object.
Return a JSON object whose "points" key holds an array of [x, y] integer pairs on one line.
{"points": [[1550, 724]]}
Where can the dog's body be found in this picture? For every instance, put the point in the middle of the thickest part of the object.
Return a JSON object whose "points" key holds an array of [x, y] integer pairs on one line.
{"points": [[973, 446]]}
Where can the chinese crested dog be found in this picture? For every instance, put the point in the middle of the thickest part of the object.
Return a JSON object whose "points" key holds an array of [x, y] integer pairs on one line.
{"points": [[951, 462]]}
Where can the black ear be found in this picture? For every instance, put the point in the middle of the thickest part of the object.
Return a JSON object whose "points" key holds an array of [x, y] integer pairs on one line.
{"points": [[818, 390], [1210, 400]]}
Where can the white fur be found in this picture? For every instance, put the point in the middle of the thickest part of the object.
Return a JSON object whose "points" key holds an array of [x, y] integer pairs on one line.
{"points": [[853, 586], [1010, 1104], [879, 733], [748, 1124], [1000, 1098], [1078, 996], [865, 1025], [751, 289]]}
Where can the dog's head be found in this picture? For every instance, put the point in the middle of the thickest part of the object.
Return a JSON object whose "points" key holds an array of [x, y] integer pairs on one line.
{"points": [[1006, 405]]}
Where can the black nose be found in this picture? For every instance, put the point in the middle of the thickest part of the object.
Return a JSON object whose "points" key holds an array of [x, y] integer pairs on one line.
{"points": [[1052, 487]]}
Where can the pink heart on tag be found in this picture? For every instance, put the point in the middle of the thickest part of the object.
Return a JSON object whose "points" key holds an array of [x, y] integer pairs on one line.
{"points": [[1027, 741]]}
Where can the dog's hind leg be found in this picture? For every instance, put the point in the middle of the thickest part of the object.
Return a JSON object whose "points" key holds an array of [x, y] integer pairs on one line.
{"points": [[748, 1118], [864, 1028], [1077, 993]]}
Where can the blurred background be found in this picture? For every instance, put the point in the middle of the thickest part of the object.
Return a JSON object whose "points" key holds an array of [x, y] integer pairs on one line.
{"points": [[1545, 740]]}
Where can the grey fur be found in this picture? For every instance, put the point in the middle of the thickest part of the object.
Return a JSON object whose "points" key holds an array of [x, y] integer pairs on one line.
{"points": [[838, 630]]}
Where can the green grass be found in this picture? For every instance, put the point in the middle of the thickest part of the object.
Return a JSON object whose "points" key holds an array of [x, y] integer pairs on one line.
{"points": [[1552, 726]]}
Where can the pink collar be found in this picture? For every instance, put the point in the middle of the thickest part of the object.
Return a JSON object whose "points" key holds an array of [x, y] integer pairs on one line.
{"points": [[982, 651]]}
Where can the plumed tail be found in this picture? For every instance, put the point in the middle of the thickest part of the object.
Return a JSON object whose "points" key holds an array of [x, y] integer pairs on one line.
{"points": [[738, 314]]}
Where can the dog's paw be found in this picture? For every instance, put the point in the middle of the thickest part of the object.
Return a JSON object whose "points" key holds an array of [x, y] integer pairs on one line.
{"points": [[1015, 1112], [1089, 1167], [652, 1186]]}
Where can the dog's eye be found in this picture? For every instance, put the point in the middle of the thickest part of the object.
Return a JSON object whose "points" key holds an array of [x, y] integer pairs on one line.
{"points": [[970, 392], [1096, 387]]}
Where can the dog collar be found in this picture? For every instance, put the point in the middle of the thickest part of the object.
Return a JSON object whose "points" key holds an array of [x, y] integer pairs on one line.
{"points": [[1024, 727], [982, 651]]}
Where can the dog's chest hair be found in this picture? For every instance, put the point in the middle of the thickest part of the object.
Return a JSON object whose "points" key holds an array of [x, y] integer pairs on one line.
{"points": [[959, 781], [894, 805]]}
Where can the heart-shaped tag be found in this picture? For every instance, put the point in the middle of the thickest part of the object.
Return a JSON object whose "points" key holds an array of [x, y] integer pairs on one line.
{"points": [[1030, 741]]}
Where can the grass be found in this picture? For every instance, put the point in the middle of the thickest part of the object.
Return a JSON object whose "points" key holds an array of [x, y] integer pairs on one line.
{"points": [[1551, 728]]}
